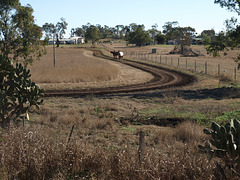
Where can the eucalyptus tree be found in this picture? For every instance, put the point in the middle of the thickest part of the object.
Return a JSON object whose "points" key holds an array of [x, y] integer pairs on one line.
{"points": [[231, 5], [139, 36], [231, 38], [92, 33], [20, 43], [170, 29], [57, 30], [19, 35], [153, 32]]}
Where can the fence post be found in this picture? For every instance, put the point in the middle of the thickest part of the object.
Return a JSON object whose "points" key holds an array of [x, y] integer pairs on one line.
{"points": [[178, 62], [141, 146], [235, 73], [205, 67], [195, 65], [218, 69], [160, 59], [186, 63], [70, 135]]}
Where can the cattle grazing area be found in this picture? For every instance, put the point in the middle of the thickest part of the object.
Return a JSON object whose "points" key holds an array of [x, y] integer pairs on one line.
{"points": [[140, 135]]}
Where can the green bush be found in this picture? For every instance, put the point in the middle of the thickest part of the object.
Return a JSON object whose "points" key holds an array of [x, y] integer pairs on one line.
{"points": [[224, 144], [17, 91]]}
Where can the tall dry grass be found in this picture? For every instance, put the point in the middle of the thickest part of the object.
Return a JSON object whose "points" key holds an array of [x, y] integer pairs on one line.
{"points": [[35, 153], [73, 65]]}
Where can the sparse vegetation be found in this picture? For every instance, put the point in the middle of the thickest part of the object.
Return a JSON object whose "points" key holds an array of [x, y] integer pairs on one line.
{"points": [[104, 143]]}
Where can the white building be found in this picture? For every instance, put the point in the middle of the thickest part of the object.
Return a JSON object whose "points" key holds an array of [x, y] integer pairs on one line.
{"points": [[71, 40]]}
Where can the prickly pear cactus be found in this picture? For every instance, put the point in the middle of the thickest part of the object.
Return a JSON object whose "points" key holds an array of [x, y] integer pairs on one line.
{"points": [[224, 142], [17, 91]]}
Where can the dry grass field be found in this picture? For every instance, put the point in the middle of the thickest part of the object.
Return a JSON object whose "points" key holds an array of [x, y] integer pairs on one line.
{"points": [[223, 66], [105, 140], [77, 68]]}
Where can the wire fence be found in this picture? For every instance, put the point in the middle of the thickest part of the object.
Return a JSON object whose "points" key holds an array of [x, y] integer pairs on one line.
{"points": [[229, 72]]}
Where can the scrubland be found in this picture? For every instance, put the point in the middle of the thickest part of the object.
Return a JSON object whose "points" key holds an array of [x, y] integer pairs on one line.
{"points": [[104, 141]]}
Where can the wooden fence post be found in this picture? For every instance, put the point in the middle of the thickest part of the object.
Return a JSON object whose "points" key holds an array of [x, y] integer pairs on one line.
{"points": [[218, 69], [178, 62], [235, 73], [141, 146], [70, 135], [205, 67]]}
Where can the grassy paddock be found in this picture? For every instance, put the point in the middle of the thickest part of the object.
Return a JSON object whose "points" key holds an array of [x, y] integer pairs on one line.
{"points": [[73, 65], [77, 68], [105, 140]]}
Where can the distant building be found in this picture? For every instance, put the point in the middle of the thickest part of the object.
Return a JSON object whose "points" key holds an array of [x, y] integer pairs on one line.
{"points": [[71, 40], [197, 41], [172, 42]]}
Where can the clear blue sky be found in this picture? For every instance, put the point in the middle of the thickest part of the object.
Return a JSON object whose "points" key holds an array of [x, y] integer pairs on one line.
{"points": [[199, 14]]}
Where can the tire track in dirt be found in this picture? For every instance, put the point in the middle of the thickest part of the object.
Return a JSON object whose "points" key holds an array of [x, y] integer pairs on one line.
{"points": [[163, 78]]}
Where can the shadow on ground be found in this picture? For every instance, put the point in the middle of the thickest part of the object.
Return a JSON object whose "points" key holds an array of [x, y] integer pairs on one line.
{"points": [[216, 93]]}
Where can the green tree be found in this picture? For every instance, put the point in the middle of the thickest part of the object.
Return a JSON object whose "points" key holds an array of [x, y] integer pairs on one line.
{"points": [[184, 36], [160, 38], [170, 30], [19, 35], [92, 33], [218, 44], [153, 32], [231, 5], [58, 30], [20, 41], [208, 36], [77, 31], [232, 38], [139, 36], [49, 30]]}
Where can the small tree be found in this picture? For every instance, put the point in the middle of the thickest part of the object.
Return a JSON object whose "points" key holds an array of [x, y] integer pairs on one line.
{"points": [[153, 32], [217, 44], [92, 33], [170, 30], [20, 42], [57, 30], [232, 38], [160, 38], [139, 37]]}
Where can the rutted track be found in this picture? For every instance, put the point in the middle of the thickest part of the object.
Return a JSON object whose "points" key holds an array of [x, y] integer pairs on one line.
{"points": [[163, 78]]}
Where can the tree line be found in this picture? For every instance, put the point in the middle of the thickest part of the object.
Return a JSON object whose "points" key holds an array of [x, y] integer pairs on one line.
{"points": [[132, 33]]}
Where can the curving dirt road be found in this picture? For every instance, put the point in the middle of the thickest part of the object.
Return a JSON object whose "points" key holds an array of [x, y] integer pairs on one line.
{"points": [[163, 78]]}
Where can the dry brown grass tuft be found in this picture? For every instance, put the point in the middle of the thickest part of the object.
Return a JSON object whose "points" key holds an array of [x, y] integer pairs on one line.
{"points": [[189, 132]]}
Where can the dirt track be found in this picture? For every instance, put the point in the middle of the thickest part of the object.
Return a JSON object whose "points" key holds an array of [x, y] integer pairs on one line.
{"points": [[163, 78]]}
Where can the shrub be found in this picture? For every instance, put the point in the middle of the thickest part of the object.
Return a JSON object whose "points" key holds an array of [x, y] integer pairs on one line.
{"points": [[17, 91], [225, 144]]}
